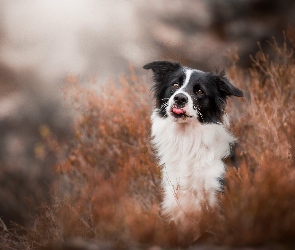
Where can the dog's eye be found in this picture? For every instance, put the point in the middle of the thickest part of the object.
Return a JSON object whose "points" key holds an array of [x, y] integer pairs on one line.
{"points": [[199, 91], [176, 85]]}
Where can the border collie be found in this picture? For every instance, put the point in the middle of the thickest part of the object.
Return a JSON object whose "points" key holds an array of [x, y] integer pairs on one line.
{"points": [[189, 130]]}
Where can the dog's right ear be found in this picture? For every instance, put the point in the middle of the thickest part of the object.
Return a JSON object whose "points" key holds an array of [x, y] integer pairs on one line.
{"points": [[162, 69], [162, 66]]}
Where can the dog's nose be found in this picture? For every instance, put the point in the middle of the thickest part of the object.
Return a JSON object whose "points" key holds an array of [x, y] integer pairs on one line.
{"points": [[180, 99]]}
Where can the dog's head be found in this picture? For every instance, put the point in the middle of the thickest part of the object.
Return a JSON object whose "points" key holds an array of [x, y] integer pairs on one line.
{"points": [[183, 94]]}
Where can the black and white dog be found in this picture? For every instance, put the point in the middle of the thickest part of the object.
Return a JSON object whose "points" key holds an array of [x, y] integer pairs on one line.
{"points": [[189, 129]]}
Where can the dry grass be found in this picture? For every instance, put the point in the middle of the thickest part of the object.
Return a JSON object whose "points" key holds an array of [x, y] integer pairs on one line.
{"points": [[108, 187], [111, 175], [259, 205]]}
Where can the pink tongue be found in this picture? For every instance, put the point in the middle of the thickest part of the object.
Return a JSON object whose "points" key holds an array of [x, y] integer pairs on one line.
{"points": [[177, 111]]}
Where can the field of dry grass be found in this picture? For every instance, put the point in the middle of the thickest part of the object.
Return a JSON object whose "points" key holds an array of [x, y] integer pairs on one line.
{"points": [[107, 189]]}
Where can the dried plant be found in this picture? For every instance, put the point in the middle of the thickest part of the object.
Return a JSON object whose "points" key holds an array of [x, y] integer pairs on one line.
{"points": [[258, 206]]}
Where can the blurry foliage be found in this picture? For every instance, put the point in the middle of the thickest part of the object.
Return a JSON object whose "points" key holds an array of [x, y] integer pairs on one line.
{"points": [[259, 204], [111, 174], [109, 185]]}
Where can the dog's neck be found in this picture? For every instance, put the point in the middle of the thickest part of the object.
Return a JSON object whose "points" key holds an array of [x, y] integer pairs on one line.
{"points": [[192, 141]]}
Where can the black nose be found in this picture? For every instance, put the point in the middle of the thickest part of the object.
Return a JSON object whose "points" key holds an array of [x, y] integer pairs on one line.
{"points": [[180, 99]]}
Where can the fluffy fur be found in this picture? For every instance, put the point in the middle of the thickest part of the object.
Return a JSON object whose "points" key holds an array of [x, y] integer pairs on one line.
{"points": [[190, 134]]}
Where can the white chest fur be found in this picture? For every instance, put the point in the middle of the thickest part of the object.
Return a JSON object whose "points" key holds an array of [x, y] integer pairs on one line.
{"points": [[191, 158]]}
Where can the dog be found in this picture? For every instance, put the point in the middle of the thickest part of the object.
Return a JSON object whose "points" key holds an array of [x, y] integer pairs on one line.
{"points": [[190, 135]]}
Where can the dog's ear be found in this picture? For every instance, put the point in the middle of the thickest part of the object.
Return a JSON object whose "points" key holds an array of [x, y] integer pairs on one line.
{"points": [[225, 87], [162, 69], [162, 66]]}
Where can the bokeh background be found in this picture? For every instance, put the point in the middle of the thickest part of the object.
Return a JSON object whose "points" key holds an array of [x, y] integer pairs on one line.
{"points": [[43, 43]]}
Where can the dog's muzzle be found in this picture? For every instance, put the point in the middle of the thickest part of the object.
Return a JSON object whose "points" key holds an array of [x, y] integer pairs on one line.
{"points": [[178, 108]]}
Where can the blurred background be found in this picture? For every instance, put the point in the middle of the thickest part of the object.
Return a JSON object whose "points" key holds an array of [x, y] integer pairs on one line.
{"points": [[42, 42]]}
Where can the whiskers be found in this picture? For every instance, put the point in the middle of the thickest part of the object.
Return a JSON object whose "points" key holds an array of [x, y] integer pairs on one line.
{"points": [[197, 108], [164, 105]]}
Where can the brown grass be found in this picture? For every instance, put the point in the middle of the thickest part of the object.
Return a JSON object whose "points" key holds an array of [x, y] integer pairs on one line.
{"points": [[259, 204], [111, 172], [108, 186]]}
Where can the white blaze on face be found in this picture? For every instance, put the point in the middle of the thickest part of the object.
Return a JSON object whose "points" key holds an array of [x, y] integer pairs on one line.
{"points": [[188, 73], [189, 110]]}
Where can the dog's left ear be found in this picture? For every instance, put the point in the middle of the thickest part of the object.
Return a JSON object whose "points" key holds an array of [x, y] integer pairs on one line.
{"points": [[225, 87]]}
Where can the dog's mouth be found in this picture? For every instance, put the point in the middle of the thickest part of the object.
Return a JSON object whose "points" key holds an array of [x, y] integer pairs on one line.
{"points": [[178, 112]]}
